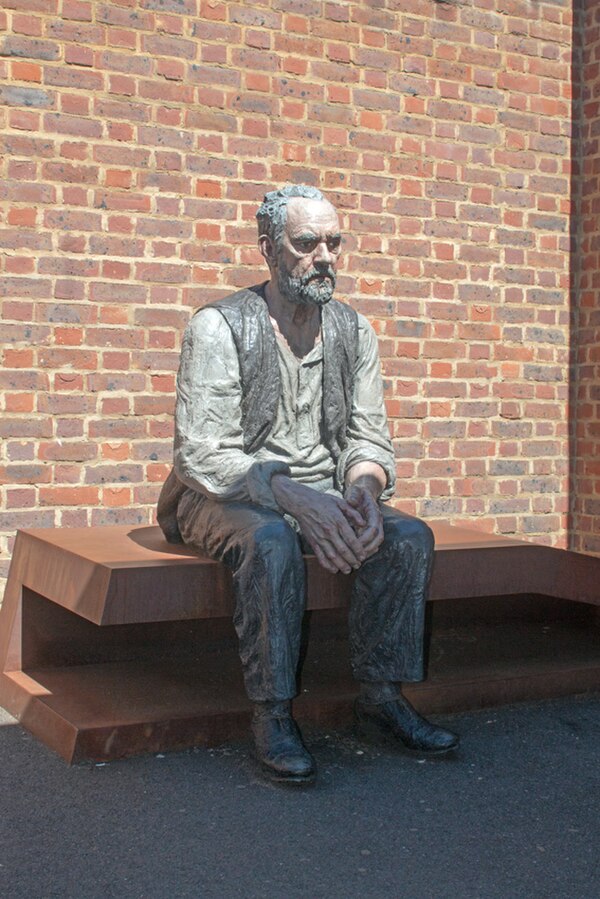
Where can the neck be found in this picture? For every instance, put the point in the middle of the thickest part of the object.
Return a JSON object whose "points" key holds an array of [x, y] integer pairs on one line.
{"points": [[297, 323]]}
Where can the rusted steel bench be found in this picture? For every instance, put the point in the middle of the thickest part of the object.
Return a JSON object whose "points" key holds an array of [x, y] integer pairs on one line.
{"points": [[113, 642]]}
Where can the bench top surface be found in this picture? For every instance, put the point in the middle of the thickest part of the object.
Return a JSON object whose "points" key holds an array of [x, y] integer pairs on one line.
{"points": [[125, 546], [129, 574]]}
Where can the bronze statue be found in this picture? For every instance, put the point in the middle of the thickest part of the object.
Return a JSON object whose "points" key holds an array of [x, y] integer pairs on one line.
{"points": [[282, 444]]}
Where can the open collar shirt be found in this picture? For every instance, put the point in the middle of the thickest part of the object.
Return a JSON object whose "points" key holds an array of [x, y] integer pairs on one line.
{"points": [[209, 441]]}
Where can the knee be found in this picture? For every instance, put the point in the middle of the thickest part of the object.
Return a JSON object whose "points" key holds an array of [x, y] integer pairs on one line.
{"points": [[404, 531], [276, 536]]}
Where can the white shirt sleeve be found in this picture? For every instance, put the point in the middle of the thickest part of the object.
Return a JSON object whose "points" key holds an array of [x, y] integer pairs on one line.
{"points": [[368, 432]]}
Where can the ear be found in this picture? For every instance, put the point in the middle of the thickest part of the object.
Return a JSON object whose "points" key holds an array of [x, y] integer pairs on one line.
{"points": [[267, 250]]}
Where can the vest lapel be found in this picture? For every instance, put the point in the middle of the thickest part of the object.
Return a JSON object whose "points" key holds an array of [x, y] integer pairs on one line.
{"points": [[247, 315], [340, 345]]}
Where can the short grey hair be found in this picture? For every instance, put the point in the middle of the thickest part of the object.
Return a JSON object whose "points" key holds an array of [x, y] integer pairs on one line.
{"points": [[272, 212]]}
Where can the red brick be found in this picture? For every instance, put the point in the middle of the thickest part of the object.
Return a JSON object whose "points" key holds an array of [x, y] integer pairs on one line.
{"points": [[26, 71], [24, 217], [117, 452], [69, 496], [209, 189], [118, 178], [116, 496], [121, 37], [211, 9]]}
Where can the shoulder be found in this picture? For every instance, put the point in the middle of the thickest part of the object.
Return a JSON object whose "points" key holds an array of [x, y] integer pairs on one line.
{"points": [[207, 324], [368, 346], [208, 341], [345, 311], [216, 318], [367, 338], [241, 300], [341, 310], [364, 325]]}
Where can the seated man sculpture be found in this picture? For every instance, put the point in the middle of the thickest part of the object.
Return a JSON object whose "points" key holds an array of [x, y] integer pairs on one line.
{"points": [[282, 444]]}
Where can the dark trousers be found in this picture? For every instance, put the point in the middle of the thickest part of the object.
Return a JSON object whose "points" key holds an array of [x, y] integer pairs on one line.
{"points": [[264, 554]]}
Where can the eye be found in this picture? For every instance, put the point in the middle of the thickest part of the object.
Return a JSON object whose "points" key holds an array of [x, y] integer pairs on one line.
{"points": [[306, 244]]}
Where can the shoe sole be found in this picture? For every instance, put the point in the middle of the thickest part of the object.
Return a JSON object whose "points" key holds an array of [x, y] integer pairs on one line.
{"points": [[377, 735], [280, 777], [292, 780]]}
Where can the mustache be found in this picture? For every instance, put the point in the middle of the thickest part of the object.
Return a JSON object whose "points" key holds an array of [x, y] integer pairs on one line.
{"points": [[326, 272]]}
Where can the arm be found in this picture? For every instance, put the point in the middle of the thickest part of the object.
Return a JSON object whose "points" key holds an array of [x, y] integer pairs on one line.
{"points": [[368, 439], [365, 482], [209, 455], [367, 466]]}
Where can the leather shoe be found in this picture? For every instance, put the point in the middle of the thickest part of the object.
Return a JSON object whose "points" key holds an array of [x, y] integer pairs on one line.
{"points": [[278, 746], [396, 720]]}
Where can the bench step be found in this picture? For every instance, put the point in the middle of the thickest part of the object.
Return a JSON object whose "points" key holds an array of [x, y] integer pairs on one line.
{"points": [[121, 708]]}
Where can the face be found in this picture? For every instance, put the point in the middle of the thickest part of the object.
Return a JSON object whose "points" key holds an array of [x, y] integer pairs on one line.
{"points": [[308, 255]]}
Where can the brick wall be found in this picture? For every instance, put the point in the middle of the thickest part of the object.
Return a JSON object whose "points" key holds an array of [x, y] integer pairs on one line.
{"points": [[137, 140], [585, 443]]}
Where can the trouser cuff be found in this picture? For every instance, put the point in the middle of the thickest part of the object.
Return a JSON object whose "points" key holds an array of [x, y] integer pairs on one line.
{"points": [[280, 709], [378, 692]]}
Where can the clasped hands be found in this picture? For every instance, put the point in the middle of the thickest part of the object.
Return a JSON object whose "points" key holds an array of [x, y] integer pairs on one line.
{"points": [[342, 532]]}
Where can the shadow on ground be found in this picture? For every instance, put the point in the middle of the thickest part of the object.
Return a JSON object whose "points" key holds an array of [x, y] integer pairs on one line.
{"points": [[515, 814]]}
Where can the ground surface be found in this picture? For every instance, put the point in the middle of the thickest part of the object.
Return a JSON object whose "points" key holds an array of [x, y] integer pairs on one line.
{"points": [[516, 815]]}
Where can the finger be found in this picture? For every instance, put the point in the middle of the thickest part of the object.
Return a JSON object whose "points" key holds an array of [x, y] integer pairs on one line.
{"points": [[327, 527], [356, 501], [339, 554], [369, 535], [347, 543], [340, 540], [353, 514], [374, 516], [372, 546], [331, 561], [373, 536]]}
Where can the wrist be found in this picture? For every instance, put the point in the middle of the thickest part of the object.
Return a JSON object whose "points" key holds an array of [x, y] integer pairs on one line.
{"points": [[368, 476], [259, 479], [286, 492], [366, 482]]}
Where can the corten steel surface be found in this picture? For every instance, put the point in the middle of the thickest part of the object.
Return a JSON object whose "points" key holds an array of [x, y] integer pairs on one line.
{"points": [[97, 624]]}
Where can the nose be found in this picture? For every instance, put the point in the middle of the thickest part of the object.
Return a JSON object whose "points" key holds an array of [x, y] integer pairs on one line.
{"points": [[323, 254]]}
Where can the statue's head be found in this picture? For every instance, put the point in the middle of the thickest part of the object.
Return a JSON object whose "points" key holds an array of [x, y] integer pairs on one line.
{"points": [[272, 212], [299, 236]]}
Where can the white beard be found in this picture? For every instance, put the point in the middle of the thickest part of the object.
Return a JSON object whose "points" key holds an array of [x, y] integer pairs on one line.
{"points": [[314, 288]]}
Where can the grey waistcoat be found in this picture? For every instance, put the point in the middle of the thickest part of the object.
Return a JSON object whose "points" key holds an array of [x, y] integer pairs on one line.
{"points": [[247, 316]]}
